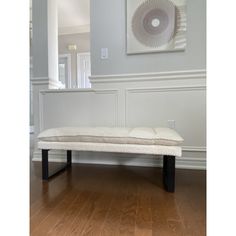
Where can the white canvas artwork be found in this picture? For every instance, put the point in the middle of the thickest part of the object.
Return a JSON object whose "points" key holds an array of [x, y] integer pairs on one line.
{"points": [[156, 25]]}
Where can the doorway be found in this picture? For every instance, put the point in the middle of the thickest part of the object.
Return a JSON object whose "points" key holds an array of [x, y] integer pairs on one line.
{"points": [[83, 70], [65, 69]]}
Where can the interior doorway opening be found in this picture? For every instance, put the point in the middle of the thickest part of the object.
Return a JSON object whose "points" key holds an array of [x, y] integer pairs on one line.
{"points": [[83, 70], [64, 68], [74, 62]]}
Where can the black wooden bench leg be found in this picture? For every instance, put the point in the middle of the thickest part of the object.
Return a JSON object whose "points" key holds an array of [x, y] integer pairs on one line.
{"points": [[45, 164], [69, 155], [169, 173], [45, 173]]}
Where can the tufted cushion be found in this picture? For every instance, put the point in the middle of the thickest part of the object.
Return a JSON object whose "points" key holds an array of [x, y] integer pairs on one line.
{"points": [[114, 135]]}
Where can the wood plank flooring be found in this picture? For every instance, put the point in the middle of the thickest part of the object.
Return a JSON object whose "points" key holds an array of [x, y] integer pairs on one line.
{"points": [[117, 200]]}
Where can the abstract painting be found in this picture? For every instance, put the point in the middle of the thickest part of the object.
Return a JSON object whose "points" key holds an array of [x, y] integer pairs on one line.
{"points": [[155, 26]]}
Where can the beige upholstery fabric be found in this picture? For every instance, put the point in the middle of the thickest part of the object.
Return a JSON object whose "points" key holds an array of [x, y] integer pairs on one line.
{"points": [[114, 135], [111, 147]]}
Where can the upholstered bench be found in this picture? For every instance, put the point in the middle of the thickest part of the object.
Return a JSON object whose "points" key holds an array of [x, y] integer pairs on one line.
{"points": [[141, 140]]}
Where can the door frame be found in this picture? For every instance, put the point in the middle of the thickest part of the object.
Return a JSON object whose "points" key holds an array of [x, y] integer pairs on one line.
{"points": [[79, 54], [68, 56]]}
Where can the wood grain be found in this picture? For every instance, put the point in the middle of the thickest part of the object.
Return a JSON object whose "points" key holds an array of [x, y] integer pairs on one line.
{"points": [[117, 200]]}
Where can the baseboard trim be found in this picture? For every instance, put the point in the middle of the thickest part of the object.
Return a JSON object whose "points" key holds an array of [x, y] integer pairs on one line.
{"points": [[121, 159]]}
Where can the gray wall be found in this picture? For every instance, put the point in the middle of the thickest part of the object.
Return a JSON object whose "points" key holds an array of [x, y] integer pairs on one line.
{"points": [[83, 45], [108, 26], [44, 40], [40, 38]]}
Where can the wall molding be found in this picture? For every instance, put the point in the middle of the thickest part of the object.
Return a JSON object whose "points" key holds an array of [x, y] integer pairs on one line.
{"points": [[41, 113], [193, 149], [95, 91], [80, 90], [183, 162], [36, 81], [78, 29], [166, 89], [158, 89], [172, 75]]}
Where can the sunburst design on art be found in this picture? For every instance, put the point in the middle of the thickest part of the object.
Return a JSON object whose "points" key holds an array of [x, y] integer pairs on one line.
{"points": [[155, 25]]}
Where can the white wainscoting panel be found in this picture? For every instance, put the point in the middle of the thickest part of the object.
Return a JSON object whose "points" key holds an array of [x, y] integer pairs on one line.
{"points": [[133, 100], [78, 108], [186, 105]]}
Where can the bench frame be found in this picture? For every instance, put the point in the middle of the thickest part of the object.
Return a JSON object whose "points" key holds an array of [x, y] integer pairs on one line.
{"points": [[45, 170], [168, 169]]}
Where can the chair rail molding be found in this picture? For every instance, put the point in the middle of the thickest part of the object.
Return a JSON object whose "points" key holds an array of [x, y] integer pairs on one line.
{"points": [[170, 75]]}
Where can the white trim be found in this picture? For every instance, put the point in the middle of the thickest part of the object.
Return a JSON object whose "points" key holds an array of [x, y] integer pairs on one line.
{"points": [[46, 81], [166, 89], [78, 29], [80, 90], [125, 160], [39, 80], [193, 149], [41, 113], [170, 75], [68, 56], [83, 53]]}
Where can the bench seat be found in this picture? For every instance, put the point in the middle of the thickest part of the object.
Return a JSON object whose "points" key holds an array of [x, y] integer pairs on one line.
{"points": [[111, 147], [140, 140]]}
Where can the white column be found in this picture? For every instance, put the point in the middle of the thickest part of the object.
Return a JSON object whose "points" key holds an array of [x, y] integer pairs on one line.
{"points": [[52, 13]]}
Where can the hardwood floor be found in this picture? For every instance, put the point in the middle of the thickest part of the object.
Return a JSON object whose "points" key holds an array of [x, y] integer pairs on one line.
{"points": [[117, 200]]}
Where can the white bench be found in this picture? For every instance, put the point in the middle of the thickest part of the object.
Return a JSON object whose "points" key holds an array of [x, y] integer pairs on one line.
{"points": [[141, 140]]}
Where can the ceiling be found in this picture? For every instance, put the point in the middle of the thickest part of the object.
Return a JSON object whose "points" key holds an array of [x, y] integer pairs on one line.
{"points": [[73, 13]]}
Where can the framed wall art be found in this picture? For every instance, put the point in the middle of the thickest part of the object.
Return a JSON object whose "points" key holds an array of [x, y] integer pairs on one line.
{"points": [[155, 25]]}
